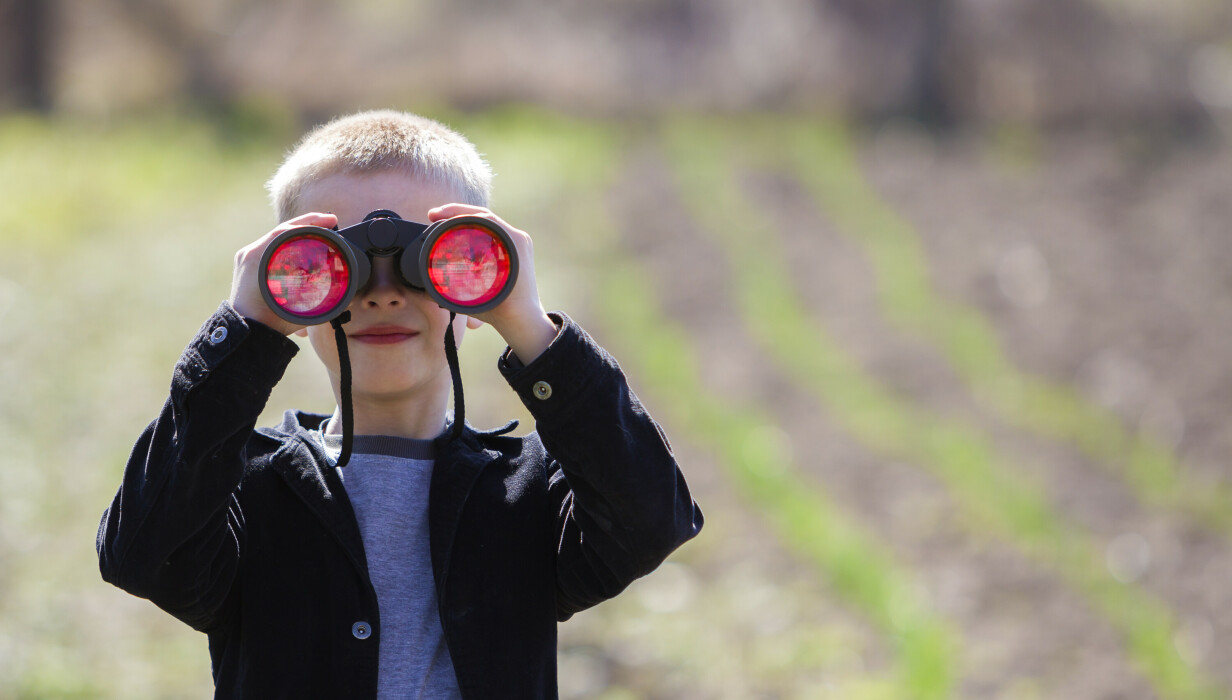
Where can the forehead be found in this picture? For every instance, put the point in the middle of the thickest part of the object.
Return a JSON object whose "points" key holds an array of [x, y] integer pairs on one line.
{"points": [[351, 196]]}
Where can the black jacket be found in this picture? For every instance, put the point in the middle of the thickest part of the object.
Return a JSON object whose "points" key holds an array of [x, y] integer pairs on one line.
{"points": [[249, 536]]}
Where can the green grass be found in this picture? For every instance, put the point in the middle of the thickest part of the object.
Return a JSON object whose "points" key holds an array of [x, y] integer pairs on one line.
{"points": [[118, 244], [64, 180], [995, 497]]}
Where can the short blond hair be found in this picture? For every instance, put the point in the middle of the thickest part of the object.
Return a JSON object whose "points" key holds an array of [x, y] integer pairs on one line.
{"points": [[378, 140]]}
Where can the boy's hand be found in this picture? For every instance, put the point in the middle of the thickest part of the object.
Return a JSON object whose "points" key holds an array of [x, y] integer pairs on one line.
{"points": [[245, 290], [520, 318]]}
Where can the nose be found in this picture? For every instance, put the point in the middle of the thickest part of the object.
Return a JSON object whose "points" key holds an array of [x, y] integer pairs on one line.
{"points": [[384, 288]]}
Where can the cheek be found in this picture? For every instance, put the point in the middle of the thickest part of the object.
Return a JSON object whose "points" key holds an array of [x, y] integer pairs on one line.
{"points": [[323, 344], [437, 317]]}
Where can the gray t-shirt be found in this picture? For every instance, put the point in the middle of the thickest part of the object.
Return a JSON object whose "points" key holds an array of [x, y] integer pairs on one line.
{"points": [[387, 482]]}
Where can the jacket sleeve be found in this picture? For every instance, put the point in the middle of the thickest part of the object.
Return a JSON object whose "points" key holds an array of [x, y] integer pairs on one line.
{"points": [[622, 502], [174, 532]]}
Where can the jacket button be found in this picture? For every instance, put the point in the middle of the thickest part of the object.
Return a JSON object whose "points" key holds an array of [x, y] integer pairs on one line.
{"points": [[361, 630], [219, 335], [542, 390]]}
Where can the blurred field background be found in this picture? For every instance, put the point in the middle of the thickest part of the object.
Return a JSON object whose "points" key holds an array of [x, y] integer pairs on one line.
{"points": [[934, 298]]}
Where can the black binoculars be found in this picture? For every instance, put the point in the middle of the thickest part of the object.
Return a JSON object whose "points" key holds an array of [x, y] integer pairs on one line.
{"points": [[310, 275]]}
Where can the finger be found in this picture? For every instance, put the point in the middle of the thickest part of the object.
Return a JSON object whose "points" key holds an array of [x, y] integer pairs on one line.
{"points": [[449, 211], [316, 218]]}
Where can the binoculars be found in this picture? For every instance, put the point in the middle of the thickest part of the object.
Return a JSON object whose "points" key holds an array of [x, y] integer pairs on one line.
{"points": [[310, 275]]}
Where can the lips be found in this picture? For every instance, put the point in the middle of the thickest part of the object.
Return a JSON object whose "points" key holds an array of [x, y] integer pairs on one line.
{"points": [[383, 335]]}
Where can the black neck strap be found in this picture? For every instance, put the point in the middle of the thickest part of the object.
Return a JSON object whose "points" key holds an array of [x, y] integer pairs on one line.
{"points": [[348, 411], [451, 354]]}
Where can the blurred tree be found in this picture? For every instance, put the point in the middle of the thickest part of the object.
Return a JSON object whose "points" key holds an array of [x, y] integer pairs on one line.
{"points": [[940, 63], [181, 35], [26, 39], [926, 96], [912, 42]]}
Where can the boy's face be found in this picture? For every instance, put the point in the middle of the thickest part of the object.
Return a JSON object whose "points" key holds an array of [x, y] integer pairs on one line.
{"points": [[395, 337]]}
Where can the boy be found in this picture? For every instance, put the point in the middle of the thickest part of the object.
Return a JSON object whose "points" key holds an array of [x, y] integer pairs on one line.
{"points": [[430, 565]]}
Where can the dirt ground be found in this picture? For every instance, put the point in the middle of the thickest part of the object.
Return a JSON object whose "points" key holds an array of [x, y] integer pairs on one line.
{"points": [[1102, 264], [1135, 254]]}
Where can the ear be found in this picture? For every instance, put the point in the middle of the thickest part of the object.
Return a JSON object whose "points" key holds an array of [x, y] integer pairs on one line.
{"points": [[303, 332], [473, 323]]}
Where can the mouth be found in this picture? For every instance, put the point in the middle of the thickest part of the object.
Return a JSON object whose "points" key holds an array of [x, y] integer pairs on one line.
{"points": [[383, 335]]}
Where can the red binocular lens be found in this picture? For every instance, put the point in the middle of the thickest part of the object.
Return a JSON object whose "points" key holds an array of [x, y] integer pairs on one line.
{"points": [[310, 274]]}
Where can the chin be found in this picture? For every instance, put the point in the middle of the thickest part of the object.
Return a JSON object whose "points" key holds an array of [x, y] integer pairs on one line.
{"points": [[393, 387]]}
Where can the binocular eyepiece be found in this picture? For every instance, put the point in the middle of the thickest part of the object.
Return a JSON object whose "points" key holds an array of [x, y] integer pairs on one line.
{"points": [[310, 274]]}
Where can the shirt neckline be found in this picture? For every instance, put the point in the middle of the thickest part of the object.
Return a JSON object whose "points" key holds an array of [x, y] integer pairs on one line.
{"points": [[385, 445]]}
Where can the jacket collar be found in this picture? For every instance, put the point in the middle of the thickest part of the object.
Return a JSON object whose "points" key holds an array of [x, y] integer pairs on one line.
{"points": [[303, 465], [459, 462]]}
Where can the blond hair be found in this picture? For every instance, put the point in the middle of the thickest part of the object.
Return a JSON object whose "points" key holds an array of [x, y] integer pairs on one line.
{"points": [[372, 141]]}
